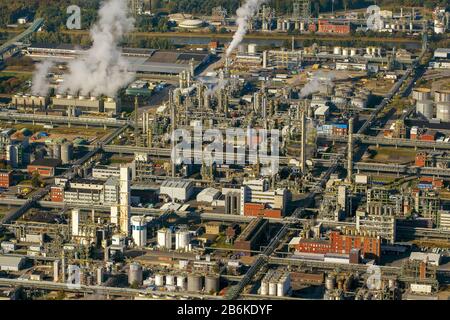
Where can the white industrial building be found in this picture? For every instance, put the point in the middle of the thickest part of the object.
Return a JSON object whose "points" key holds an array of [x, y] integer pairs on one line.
{"points": [[177, 190], [431, 258], [258, 191], [11, 263], [208, 195]]}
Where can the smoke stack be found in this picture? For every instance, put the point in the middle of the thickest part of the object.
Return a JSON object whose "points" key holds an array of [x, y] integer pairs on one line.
{"points": [[350, 151], [136, 120]]}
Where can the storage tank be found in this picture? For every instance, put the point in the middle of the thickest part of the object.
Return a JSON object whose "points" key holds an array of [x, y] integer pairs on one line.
{"points": [[194, 283], [100, 275], [252, 48], [66, 152], [181, 282], [159, 280], [164, 238], [135, 274], [273, 286], [264, 287], [57, 151], [442, 96], [421, 94], [353, 52], [139, 230], [212, 283], [170, 280], [425, 108], [337, 50], [82, 98], [330, 282], [443, 111], [345, 52], [182, 239]]}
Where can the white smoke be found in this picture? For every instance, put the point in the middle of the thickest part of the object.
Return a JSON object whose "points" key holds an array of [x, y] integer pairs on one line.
{"points": [[103, 70], [318, 81], [40, 84], [244, 14]]}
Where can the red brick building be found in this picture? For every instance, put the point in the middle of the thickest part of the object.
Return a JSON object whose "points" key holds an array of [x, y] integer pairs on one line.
{"points": [[326, 26], [45, 167], [57, 194], [260, 210], [342, 244], [421, 159], [5, 178]]}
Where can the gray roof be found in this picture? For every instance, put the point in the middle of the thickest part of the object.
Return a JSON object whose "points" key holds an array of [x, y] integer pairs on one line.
{"points": [[10, 261]]}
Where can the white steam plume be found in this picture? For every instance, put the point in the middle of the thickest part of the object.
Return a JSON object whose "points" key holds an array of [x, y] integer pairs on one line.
{"points": [[40, 84], [317, 81], [244, 14], [102, 69]]}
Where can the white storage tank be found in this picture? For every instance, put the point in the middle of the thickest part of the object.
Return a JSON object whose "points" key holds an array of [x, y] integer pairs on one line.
{"points": [[252, 48], [442, 96], [273, 286], [57, 151], [164, 238], [425, 108], [159, 280], [443, 111], [264, 288], [66, 152], [337, 50], [182, 239], [330, 282], [421, 94], [345, 52], [181, 282], [135, 274], [170, 280], [353, 52]]}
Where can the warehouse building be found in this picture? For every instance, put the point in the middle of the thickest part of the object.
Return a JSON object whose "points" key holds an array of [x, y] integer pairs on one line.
{"points": [[177, 190], [11, 263]]}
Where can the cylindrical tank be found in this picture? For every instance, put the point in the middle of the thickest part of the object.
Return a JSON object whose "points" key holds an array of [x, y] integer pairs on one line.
{"points": [[392, 283], [337, 50], [135, 274], [330, 282], [443, 111], [159, 280], [100, 275], [81, 97], [66, 152], [442, 96], [194, 283], [139, 230], [170, 280], [212, 284], [264, 288], [182, 238], [421, 94], [425, 108], [273, 286], [252, 48], [345, 52], [57, 151], [181, 282], [353, 52]]}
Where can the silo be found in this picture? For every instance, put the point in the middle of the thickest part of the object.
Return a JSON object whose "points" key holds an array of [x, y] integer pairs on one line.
{"points": [[181, 282], [353, 52], [100, 275], [159, 280], [421, 94], [194, 283], [66, 152], [182, 238], [442, 96], [264, 287], [443, 111], [345, 52], [57, 151], [273, 286], [337, 51], [212, 283], [425, 108], [135, 274]]}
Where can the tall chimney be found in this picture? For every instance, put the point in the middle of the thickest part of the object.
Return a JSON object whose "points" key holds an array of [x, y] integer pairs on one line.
{"points": [[303, 142], [350, 151]]}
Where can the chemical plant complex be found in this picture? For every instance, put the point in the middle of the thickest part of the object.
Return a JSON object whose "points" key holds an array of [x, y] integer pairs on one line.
{"points": [[264, 155]]}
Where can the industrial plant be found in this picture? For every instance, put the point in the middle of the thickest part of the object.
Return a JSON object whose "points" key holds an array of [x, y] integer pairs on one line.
{"points": [[264, 155]]}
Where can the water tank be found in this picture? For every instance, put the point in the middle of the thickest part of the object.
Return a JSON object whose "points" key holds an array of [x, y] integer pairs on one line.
{"points": [[425, 108], [181, 282], [194, 283], [330, 282], [57, 151], [442, 96], [135, 274], [159, 280], [66, 152], [421, 94], [211, 284], [443, 111], [264, 288], [170, 280]]}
